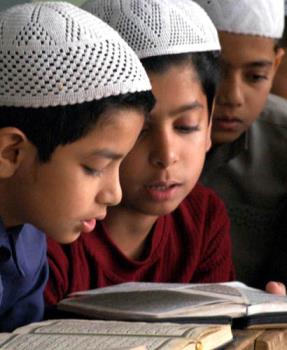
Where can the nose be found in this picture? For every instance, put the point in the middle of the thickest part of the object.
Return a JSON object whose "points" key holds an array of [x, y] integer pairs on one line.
{"points": [[163, 153], [230, 92], [111, 192]]}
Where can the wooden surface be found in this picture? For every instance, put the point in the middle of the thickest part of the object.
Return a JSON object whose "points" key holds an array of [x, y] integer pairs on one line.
{"points": [[244, 339], [275, 339], [272, 339]]}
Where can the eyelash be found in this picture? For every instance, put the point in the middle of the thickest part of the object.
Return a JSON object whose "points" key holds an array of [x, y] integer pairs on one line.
{"points": [[258, 78], [188, 129], [92, 172], [181, 129]]}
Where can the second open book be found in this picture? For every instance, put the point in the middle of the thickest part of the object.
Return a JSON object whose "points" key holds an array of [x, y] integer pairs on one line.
{"points": [[72, 334], [173, 301]]}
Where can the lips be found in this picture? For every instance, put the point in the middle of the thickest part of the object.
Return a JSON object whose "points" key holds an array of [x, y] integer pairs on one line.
{"points": [[162, 190], [227, 123], [88, 225]]}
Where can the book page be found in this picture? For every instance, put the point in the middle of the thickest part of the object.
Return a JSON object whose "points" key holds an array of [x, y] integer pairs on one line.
{"points": [[4, 337], [229, 290], [256, 300], [166, 332], [75, 326], [90, 342], [256, 296], [133, 287], [160, 303]]}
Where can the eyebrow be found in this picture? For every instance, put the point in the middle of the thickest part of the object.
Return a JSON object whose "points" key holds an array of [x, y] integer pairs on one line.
{"points": [[259, 64], [252, 64], [106, 153], [187, 107]]}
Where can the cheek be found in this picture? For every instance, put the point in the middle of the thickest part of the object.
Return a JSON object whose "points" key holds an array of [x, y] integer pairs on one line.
{"points": [[256, 103], [201, 142], [129, 175], [64, 190], [132, 172], [194, 159], [134, 162]]}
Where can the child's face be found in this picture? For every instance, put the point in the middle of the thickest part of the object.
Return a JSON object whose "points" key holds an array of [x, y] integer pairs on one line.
{"points": [[167, 159], [67, 194], [248, 67]]}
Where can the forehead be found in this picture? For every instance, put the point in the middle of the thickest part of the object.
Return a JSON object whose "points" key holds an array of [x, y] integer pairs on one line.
{"points": [[178, 76], [115, 115], [176, 88], [114, 132], [242, 49]]}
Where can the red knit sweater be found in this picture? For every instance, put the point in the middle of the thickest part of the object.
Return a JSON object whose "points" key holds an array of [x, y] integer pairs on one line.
{"points": [[192, 244]]}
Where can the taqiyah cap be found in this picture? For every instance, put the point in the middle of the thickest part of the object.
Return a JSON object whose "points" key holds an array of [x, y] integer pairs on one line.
{"points": [[158, 27], [54, 53], [252, 17]]}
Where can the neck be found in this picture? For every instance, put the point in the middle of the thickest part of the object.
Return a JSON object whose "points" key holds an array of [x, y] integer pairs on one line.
{"points": [[129, 230], [8, 210]]}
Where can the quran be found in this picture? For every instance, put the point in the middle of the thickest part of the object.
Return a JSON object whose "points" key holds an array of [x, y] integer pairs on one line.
{"points": [[209, 303], [74, 334]]}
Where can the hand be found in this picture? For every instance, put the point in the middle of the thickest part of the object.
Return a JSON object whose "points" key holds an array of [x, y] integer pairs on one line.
{"points": [[277, 288]]}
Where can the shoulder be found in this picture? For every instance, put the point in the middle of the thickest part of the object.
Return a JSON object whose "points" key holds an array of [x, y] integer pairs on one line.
{"points": [[32, 239], [32, 253]]}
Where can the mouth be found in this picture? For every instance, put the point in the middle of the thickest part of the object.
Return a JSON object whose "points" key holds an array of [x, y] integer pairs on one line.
{"points": [[88, 225], [162, 190], [227, 123]]}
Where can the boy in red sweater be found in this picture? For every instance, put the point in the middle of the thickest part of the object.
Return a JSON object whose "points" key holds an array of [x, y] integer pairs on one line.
{"points": [[168, 228]]}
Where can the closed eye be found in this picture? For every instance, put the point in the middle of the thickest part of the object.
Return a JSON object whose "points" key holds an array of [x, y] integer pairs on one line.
{"points": [[257, 78], [91, 171], [187, 129]]}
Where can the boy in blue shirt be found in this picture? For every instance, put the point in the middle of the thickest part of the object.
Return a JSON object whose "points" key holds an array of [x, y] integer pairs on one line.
{"points": [[73, 97]]}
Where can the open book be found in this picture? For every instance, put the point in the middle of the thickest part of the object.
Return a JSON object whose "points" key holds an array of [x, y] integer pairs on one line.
{"points": [[173, 301], [115, 335]]}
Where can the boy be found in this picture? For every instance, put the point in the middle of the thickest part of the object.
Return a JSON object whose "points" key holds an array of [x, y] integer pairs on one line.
{"points": [[280, 79], [72, 103], [247, 163], [167, 228]]}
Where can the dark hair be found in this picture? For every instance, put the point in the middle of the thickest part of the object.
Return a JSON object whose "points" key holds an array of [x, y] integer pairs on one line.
{"points": [[205, 64], [50, 127], [283, 40]]}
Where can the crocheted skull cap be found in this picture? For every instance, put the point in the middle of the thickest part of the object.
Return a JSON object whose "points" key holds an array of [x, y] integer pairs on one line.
{"points": [[158, 27], [252, 17], [54, 53]]}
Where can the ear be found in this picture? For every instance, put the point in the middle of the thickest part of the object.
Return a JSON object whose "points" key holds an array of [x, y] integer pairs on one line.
{"points": [[278, 58], [209, 130], [208, 138], [13, 143]]}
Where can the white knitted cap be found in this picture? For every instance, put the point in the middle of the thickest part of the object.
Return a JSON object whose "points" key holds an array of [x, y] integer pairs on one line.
{"points": [[54, 53], [158, 27], [251, 17]]}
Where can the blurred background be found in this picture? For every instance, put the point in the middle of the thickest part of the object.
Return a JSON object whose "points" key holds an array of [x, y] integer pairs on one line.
{"points": [[8, 3]]}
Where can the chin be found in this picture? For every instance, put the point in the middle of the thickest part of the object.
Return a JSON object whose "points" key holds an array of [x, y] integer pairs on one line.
{"points": [[66, 238], [218, 139], [159, 210]]}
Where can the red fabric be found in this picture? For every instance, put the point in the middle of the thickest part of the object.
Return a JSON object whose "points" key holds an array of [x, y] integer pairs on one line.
{"points": [[192, 244]]}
